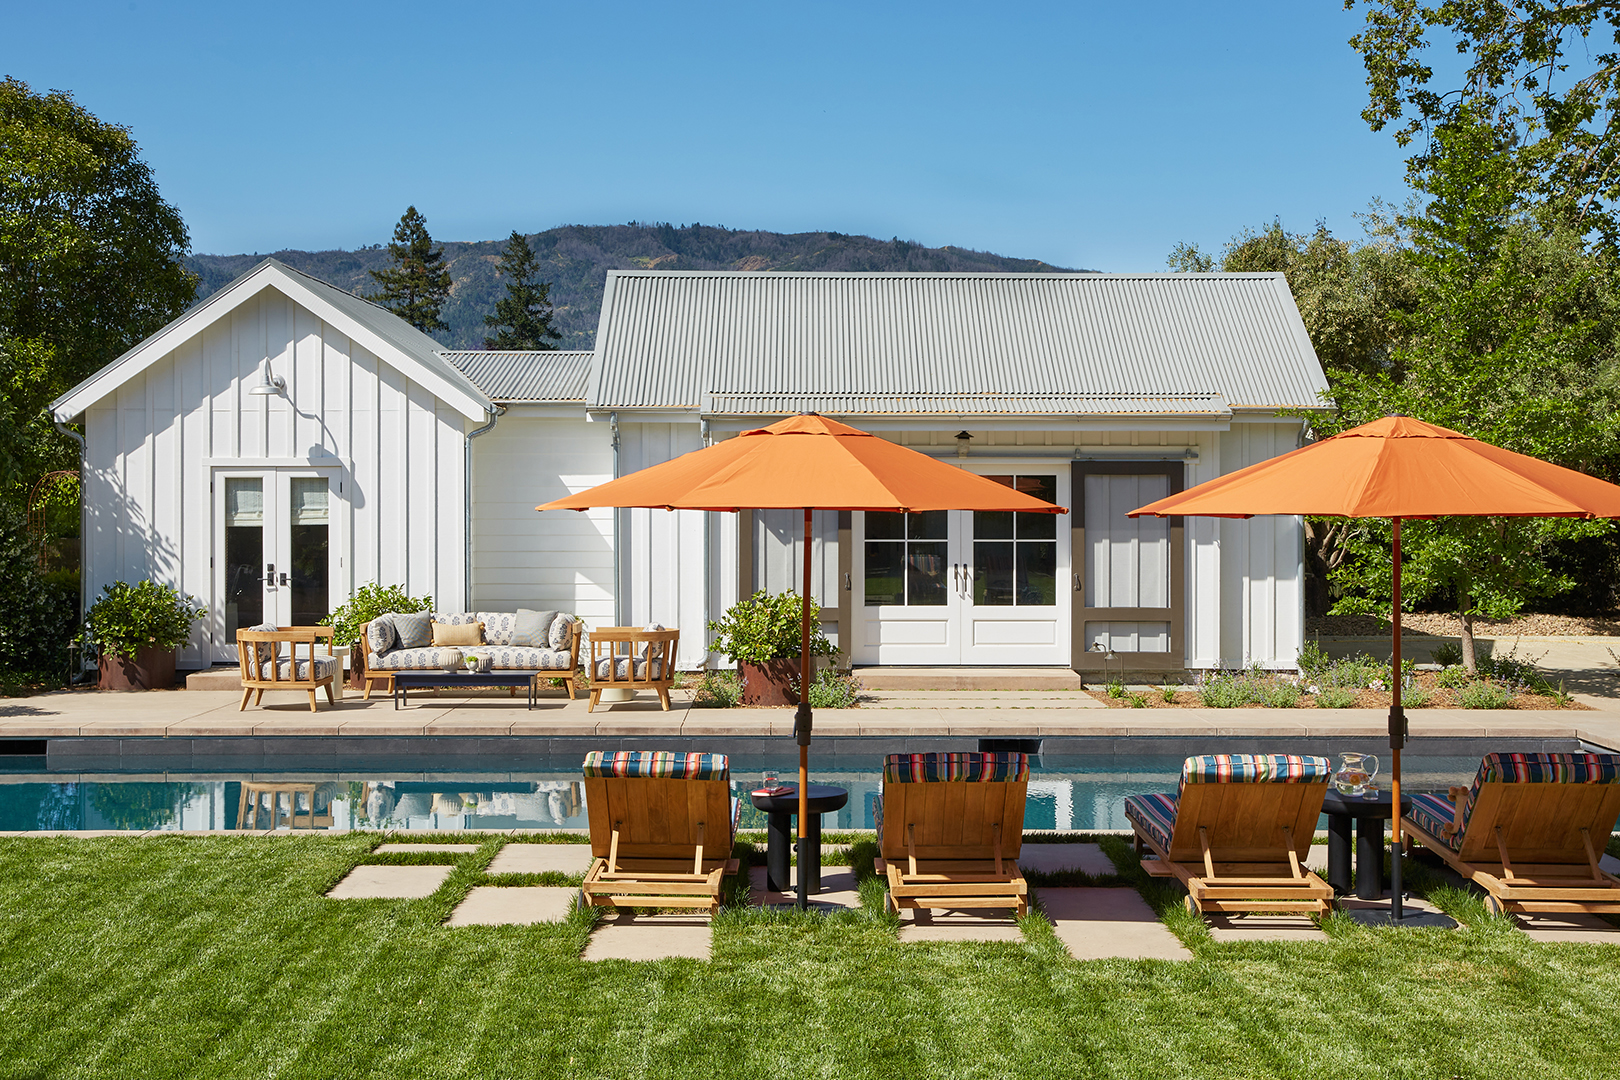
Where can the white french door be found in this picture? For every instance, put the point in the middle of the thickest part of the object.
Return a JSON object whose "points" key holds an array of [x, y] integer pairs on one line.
{"points": [[277, 548], [965, 587]]}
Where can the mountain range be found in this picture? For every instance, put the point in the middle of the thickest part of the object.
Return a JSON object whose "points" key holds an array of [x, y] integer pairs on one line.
{"points": [[576, 259]]}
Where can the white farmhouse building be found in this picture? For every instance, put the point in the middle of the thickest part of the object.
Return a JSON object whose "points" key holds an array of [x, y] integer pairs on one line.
{"points": [[285, 441]]}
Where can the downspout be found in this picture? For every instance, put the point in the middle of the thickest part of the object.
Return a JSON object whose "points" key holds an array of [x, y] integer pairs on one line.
{"points": [[467, 498], [618, 540], [708, 523], [84, 536]]}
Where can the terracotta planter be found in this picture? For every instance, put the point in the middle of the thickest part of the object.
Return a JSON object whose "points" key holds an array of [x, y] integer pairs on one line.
{"points": [[770, 683], [151, 669], [357, 667]]}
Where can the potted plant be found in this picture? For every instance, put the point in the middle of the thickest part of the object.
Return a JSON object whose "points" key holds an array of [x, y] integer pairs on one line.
{"points": [[368, 602], [136, 630], [763, 634]]}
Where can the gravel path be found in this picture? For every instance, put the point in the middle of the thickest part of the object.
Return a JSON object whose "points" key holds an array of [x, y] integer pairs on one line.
{"points": [[1528, 625]]}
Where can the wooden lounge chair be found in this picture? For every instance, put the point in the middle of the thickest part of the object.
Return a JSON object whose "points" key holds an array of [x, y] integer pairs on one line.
{"points": [[950, 826], [1530, 831], [263, 666], [662, 826], [1237, 831], [630, 658]]}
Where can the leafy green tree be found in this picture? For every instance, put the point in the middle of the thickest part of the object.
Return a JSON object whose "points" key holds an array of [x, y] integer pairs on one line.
{"points": [[522, 318], [90, 264], [416, 286], [1544, 75]]}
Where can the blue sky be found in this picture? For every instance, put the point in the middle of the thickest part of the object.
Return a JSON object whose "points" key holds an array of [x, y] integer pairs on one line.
{"points": [[1088, 135]]}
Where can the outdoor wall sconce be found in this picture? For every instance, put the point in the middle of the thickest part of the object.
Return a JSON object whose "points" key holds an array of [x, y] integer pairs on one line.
{"points": [[268, 385], [963, 439]]}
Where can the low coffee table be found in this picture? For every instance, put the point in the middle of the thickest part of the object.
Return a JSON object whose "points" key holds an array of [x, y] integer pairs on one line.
{"points": [[823, 799], [1369, 816], [404, 680]]}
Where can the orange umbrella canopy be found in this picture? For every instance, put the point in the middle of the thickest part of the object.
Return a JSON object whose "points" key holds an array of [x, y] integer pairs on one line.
{"points": [[805, 461], [1398, 467]]}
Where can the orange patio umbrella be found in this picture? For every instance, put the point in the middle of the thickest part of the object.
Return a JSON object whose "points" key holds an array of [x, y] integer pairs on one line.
{"points": [[808, 463], [1397, 468]]}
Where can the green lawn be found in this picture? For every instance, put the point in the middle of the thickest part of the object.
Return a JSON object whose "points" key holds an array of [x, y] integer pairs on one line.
{"points": [[218, 957]]}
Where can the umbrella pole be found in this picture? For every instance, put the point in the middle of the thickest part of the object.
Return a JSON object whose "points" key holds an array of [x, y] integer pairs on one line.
{"points": [[801, 719], [1397, 730]]}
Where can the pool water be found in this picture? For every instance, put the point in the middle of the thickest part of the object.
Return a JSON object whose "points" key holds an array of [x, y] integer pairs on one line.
{"points": [[1069, 793]]}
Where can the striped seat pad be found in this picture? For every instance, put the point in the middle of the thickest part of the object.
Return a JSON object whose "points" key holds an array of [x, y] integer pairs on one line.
{"points": [[325, 667], [971, 767], [877, 814], [1433, 814], [1255, 769], [657, 763], [1152, 815], [1539, 768]]}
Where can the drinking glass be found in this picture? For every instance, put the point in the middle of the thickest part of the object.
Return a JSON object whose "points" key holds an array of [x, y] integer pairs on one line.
{"points": [[771, 780]]}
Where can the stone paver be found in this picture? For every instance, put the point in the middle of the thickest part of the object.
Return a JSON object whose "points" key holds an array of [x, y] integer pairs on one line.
{"points": [[1559, 926], [390, 882], [1410, 904], [542, 859], [1051, 858], [650, 937], [1263, 928], [1098, 924], [448, 849], [975, 924], [491, 905], [838, 889]]}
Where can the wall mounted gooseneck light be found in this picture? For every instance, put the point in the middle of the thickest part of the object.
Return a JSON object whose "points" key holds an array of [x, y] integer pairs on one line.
{"points": [[268, 385]]}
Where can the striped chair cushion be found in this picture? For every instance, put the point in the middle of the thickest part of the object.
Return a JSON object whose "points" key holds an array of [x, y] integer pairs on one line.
{"points": [[657, 763], [1433, 814], [1540, 769], [1153, 815], [987, 767], [1255, 769]]}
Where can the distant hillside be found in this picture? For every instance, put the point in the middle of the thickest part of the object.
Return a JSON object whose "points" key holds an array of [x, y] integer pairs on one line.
{"points": [[577, 258]]}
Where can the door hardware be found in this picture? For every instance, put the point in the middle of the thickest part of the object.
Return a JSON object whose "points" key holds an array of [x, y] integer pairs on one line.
{"points": [[284, 579], [270, 575]]}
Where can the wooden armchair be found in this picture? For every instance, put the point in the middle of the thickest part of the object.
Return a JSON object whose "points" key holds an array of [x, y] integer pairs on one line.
{"points": [[617, 661], [265, 668]]}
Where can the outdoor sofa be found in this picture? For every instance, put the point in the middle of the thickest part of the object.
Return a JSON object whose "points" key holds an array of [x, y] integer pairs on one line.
{"points": [[523, 640]]}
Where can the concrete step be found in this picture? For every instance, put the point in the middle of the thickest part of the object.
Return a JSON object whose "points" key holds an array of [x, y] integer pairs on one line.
{"points": [[968, 678], [223, 677]]}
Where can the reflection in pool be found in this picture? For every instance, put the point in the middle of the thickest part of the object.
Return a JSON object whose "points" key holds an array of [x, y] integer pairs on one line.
{"points": [[1069, 793]]}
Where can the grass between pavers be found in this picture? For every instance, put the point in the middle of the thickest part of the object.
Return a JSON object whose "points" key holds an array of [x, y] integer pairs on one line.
{"points": [[219, 956]]}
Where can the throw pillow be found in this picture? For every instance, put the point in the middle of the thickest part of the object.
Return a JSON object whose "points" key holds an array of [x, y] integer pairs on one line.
{"points": [[415, 630], [562, 631], [266, 650], [380, 635], [465, 634], [532, 629], [646, 646]]}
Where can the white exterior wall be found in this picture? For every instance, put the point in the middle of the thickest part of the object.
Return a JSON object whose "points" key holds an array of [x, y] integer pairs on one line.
{"points": [[1262, 562], [152, 445], [559, 559], [662, 551]]}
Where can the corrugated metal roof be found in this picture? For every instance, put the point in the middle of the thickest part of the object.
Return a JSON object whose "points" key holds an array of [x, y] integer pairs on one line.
{"points": [[552, 375], [968, 404], [908, 342]]}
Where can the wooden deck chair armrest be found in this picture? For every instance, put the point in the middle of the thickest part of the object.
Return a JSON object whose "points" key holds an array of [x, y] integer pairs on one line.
{"points": [[1459, 799]]}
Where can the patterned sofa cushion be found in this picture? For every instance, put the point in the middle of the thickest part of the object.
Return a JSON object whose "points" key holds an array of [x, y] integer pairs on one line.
{"points": [[1539, 768], [657, 763], [421, 659], [512, 658], [1433, 814], [1152, 815], [325, 667], [498, 626], [415, 629], [623, 668], [969, 766]]}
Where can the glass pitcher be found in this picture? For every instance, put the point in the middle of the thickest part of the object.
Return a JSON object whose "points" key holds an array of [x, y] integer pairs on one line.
{"points": [[1355, 773]]}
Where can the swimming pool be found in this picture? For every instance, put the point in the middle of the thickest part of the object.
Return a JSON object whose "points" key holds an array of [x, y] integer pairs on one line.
{"points": [[1071, 792]]}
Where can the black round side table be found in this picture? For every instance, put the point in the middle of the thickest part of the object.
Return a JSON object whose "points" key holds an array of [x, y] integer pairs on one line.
{"points": [[823, 799], [1369, 816]]}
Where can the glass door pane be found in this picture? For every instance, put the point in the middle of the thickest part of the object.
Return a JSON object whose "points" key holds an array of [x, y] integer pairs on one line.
{"points": [[244, 554], [309, 549]]}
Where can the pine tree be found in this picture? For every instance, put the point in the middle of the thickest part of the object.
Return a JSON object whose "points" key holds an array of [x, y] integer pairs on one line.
{"points": [[416, 286], [522, 319]]}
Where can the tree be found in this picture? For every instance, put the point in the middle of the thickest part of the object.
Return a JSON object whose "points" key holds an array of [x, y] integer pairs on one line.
{"points": [[1531, 74], [91, 262], [416, 286], [522, 318]]}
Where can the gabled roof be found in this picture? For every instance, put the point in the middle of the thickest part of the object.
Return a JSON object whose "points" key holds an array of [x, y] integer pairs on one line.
{"points": [[1072, 344], [552, 375], [391, 338]]}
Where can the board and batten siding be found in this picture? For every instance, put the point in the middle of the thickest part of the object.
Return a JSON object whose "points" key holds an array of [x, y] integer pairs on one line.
{"points": [[1262, 560], [151, 447], [559, 559]]}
